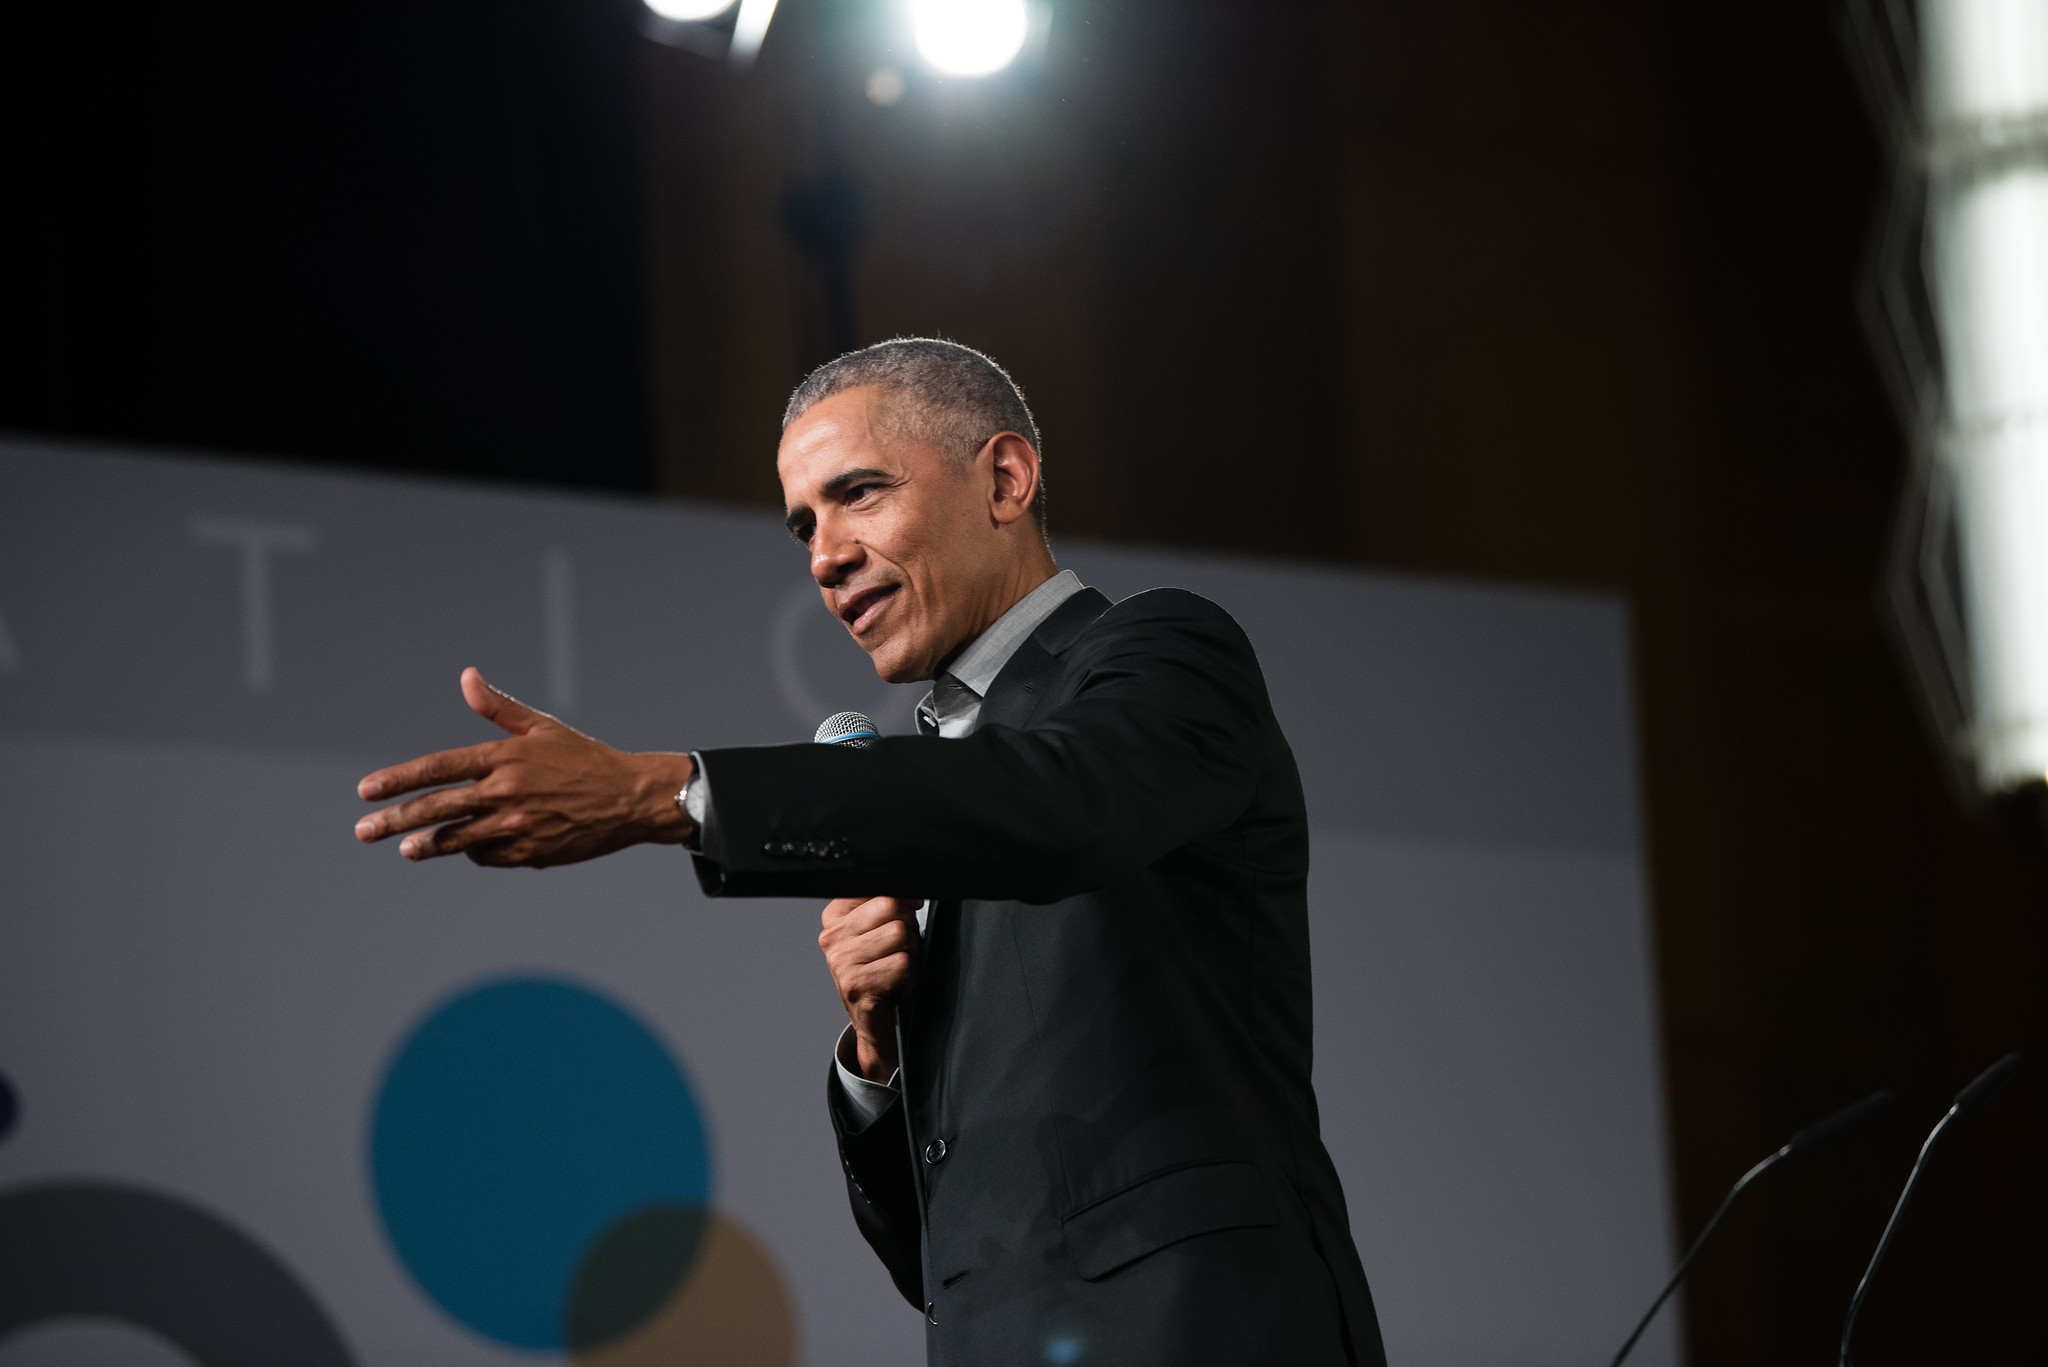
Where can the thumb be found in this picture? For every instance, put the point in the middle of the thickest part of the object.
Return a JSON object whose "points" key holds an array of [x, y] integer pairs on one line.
{"points": [[499, 708]]}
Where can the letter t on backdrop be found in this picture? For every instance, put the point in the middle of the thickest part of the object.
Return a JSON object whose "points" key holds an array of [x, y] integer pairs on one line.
{"points": [[256, 541]]}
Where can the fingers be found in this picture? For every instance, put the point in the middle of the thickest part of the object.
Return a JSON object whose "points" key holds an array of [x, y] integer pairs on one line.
{"points": [[456, 766], [496, 834], [839, 908], [891, 937], [857, 915], [428, 771], [447, 805], [852, 942], [872, 986], [499, 707], [871, 963]]}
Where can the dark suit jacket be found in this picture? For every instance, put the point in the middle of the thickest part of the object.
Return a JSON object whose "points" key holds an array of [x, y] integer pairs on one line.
{"points": [[1109, 1045]]}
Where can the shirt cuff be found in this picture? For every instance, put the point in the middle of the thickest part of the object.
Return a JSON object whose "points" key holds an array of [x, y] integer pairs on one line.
{"points": [[865, 1100], [697, 802]]}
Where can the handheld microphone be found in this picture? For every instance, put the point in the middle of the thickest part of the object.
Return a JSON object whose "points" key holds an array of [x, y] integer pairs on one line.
{"points": [[849, 729], [856, 732], [1967, 1100], [1815, 1136]]}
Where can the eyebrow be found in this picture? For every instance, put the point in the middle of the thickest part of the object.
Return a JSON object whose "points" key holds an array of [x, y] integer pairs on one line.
{"points": [[834, 487]]}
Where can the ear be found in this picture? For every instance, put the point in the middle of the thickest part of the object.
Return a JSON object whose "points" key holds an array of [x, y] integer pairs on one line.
{"points": [[1013, 468]]}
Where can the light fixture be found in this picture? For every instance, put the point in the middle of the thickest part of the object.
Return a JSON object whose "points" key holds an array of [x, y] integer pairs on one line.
{"points": [[689, 11], [969, 37], [1965, 249], [748, 30], [1986, 96], [690, 25]]}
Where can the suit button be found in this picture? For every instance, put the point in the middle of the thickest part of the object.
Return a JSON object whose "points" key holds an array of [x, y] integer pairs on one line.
{"points": [[935, 1151], [930, 1313]]}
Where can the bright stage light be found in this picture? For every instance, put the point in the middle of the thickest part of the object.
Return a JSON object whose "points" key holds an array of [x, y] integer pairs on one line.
{"points": [[969, 37], [689, 11], [1986, 84]]}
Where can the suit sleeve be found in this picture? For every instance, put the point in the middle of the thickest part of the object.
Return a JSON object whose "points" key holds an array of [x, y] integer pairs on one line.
{"points": [[1157, 746], [876, 1157]]}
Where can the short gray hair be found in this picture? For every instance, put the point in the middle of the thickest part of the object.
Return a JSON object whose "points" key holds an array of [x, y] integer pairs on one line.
{"points": [[950, 396]]}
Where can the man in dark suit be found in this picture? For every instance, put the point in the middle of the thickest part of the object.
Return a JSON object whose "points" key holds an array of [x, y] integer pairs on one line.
{"points": [[1087, 896]]}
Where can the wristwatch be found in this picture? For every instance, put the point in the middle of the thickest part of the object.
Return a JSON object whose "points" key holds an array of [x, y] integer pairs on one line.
{"points": [[693, 800]]}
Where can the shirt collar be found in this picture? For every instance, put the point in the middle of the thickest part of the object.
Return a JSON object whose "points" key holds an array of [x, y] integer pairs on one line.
{"points": [[985, 656]]}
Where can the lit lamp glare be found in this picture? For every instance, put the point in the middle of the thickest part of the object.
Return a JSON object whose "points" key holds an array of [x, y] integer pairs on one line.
{"points": [[1987, 108], [969, 37], [689, 11]]}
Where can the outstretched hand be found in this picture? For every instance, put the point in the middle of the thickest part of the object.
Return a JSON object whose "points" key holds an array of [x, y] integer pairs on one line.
{"points": [[545, 794]]}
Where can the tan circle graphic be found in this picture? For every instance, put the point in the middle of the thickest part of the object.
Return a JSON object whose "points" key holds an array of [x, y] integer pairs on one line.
{"points": [[732, 1310]]}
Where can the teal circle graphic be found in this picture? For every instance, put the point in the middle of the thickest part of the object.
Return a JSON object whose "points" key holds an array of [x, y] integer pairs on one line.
{"points": [[521, 1132]]}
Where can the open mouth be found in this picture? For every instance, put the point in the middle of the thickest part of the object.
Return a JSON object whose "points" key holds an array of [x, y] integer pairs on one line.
{"points": [[859, 611]]}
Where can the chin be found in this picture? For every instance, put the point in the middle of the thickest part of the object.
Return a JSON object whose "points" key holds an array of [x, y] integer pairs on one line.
{"points": [[900, 673], [893, 666]]}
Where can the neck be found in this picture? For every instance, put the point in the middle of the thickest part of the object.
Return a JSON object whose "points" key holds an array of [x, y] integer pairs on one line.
{"points": [[1024, 575]]}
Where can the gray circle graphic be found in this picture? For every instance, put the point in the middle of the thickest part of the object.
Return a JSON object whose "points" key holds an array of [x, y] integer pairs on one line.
{"points": [[86, 1249], [798, 613], [90, 1341]]}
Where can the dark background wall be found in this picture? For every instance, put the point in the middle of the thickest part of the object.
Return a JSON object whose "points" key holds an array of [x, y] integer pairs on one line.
{"points": [[384, 233], [1561, 293]]}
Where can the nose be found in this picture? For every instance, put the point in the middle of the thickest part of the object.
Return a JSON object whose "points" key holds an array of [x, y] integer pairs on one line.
{"points": [[833, 556]]}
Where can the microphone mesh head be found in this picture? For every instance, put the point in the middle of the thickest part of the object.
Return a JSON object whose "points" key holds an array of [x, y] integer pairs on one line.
{"points": [[849, 729]]}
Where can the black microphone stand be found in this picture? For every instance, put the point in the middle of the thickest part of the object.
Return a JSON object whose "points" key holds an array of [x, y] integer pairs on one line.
{"points": [[1806, 1141], [1969, 1099]]}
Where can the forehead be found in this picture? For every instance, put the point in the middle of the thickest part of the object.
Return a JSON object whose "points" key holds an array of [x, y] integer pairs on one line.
{"points": [[850, 430], [846, 423]]}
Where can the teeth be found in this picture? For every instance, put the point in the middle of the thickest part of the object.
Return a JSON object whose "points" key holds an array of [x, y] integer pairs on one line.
{"points": [[861, 604]]}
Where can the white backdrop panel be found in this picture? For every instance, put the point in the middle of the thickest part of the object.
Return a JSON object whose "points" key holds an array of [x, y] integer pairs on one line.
{"points": [[203, 977]]}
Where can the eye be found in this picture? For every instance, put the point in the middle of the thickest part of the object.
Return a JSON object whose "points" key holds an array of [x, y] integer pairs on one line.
{"points": [[855, 493], [800, 532]]}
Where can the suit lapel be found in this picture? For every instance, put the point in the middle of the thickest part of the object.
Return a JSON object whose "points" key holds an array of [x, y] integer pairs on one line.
{"points": [[1026, 679]]}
